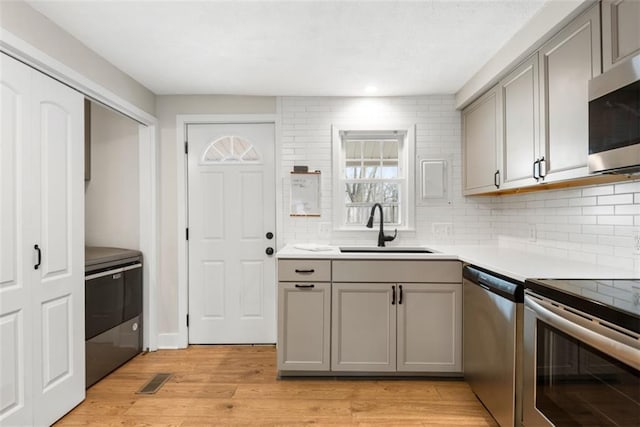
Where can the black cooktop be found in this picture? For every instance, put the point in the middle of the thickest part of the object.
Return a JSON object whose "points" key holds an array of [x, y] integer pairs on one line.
{"points": [[614, 300]]}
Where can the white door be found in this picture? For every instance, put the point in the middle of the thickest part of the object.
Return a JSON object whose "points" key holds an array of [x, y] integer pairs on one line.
{"points": [[231, 180], [42, 310], [16, 313]]}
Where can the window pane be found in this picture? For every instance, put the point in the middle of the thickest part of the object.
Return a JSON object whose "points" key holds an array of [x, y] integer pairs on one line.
{"points": [[371, 172], [389, 170], [361, 192], [368, 192], [359, 215], [356, 215], [389, 192], [352, 150], [390, 150], [371, 149]]}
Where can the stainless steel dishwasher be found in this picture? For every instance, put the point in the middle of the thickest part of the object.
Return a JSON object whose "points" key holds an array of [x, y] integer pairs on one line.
{"points": [[492, 335]]}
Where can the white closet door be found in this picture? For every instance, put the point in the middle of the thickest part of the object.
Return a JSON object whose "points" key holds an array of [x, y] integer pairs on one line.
{"points": [[16, 313], [42, 365], [58, 120]]}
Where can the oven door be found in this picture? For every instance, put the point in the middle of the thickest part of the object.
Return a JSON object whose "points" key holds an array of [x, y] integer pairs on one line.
{"points": [[578, 371]]}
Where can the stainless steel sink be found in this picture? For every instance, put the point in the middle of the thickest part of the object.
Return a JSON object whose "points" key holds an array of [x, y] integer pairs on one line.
{"points": [[389, 249]]}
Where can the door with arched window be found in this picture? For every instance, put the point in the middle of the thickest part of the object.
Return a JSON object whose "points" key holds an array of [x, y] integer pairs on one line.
{"points": [[231, 217]]}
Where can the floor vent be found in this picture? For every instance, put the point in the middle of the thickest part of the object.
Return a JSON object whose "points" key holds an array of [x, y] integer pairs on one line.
{"points": [[154, 384]]}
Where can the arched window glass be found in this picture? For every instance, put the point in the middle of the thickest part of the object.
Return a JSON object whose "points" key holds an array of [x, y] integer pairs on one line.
{"points": [[230, 149]]}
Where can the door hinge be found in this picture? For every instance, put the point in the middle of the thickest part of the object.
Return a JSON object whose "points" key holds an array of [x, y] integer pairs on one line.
{"points": [[187, 320], [187, 233], [186, 147]]}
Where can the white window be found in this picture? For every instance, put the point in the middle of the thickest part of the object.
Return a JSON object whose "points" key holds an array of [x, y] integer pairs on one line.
{"points": [[373, 166]]}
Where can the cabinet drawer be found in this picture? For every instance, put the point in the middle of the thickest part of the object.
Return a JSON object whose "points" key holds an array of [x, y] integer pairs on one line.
{"points": [[304, 270], [389, 271]]}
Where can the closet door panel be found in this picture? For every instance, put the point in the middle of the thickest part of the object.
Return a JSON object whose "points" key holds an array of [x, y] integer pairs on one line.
{"points": [[58, 293], [16, 332]]}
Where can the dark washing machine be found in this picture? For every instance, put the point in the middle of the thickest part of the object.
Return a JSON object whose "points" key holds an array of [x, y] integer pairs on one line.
{"points": [[113, 309]]}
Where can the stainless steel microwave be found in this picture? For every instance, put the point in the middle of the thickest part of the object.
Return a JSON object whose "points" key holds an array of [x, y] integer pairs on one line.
{"points": [[614, 119]]}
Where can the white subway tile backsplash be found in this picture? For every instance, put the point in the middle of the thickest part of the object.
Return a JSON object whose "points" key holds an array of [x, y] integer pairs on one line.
{"points": [[615, 220], [583, 201], [598, 210], [628, 209], [592, 224], [615, 200], [597, 191], [627, 187]]}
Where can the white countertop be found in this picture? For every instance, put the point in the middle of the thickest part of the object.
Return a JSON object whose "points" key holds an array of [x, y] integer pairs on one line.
{"points": [[512, 263]]}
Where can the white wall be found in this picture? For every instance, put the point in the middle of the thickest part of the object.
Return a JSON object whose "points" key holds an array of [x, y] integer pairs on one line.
{"points": [[112, 199], [167, 108], [31, 26], [594, 223]]}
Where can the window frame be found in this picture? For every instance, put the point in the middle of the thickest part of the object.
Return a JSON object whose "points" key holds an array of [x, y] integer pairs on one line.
{"points": [[406, 168]]}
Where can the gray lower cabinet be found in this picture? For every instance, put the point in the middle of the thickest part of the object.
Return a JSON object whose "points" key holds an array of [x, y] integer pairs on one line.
{"points": [[429, 327], [304, 321], [371, 316], [388, 327], [363, 333]]}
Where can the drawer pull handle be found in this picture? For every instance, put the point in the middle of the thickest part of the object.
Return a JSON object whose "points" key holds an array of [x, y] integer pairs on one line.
{"points": [[305, 286], [305, 271]]}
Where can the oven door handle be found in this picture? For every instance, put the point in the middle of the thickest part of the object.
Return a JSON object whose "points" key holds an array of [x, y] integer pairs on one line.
{"points": [[555, 317]]}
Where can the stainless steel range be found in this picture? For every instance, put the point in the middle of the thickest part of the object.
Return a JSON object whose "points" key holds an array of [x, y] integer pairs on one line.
{"points": [[582, 353]]}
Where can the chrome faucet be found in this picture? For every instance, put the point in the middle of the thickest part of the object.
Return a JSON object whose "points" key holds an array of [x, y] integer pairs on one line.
{"points": [[381, 237]]}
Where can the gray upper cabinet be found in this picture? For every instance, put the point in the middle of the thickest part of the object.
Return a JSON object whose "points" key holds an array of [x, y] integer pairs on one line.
{"points": [[536, 122], [481, 138], [620, 31], [520, 111], [567, 62]]}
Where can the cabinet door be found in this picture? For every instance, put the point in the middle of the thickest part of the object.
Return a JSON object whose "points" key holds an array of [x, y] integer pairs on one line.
{"points": [[430, 327], [363, 329], [567, 63], [620, 31], [304, 322], [521, 128], [481, 139]]}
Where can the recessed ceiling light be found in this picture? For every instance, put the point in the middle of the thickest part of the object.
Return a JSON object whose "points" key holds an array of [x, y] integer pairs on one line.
{"points": [[370, 89]]}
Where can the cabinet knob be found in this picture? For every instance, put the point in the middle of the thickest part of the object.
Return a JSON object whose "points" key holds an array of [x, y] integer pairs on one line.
{"points": [[269, 235], [269, 251]]}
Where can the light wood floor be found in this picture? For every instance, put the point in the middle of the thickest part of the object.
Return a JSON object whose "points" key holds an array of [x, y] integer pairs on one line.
{"points": [[237, 385]]}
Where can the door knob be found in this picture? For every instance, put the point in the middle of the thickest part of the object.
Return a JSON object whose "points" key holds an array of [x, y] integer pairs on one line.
{"points": [[269, 251], [269, 235]]}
